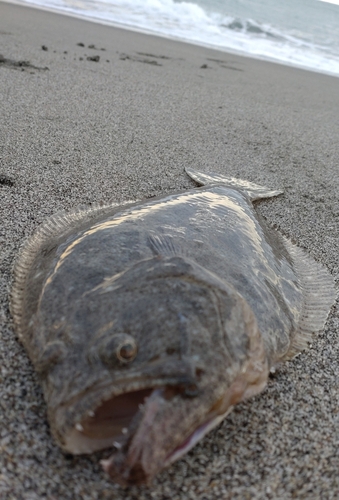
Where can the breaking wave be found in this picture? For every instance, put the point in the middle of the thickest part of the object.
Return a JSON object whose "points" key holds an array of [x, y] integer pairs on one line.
{"points": [[191, 22]]}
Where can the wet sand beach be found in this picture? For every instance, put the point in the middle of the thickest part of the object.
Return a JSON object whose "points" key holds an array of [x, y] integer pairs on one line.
{"points": [[91, 113]]}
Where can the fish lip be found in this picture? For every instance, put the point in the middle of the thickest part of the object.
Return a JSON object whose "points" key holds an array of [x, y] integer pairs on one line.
{"points": [[110, 389], [145, 377]]}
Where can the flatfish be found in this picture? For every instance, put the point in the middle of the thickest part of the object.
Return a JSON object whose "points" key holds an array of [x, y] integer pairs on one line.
{"points": [[148, 322]]}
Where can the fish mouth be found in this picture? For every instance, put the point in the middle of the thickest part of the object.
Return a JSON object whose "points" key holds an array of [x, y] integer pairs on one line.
{"points": [[110, 415], [152, 427], [138, 459], [118, 423], [171, 424], [109, 425]]}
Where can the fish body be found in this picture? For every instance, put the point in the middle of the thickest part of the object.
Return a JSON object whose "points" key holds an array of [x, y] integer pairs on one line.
{"points": [[148, 322]]}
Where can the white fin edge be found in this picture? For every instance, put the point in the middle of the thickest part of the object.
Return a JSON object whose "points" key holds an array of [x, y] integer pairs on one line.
{"points": [[319, 293], [254, 191]]}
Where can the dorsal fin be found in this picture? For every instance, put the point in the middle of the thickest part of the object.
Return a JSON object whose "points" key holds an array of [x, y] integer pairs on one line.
{"points": [[254, 191], [319, 294]]}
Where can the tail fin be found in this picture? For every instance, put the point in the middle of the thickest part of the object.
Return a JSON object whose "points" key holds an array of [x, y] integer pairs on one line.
{"points": [[254, 191]]}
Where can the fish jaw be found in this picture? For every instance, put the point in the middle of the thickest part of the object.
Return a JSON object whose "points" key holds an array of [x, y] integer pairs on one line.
{"points": [[163, 423], [100, 417], [170, 427]]}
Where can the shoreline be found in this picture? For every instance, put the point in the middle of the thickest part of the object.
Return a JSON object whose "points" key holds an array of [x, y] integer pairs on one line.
{"points": [[136, 29], [120, 121]]}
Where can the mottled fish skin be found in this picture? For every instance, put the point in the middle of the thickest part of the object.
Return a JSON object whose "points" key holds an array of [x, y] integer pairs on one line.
{"points": [[187, 300]]}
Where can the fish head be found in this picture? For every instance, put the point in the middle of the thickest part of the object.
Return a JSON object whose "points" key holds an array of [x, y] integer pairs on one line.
{"points": [[175, 348]]}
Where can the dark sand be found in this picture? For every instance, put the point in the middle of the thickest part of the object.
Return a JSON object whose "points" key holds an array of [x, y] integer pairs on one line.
{"points": [[83, 131]]}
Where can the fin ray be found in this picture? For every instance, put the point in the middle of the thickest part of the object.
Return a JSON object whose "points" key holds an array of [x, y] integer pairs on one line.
{"points": [[319, 295]]}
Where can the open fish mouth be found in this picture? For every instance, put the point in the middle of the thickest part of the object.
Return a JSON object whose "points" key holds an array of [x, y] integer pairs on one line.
{"points": [[140, 456], [109, 424], [153, 426], [124, 422], [112, 417]]}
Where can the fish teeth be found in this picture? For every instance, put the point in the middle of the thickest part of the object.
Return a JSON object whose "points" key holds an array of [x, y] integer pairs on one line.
{"points": [[79, 427], [91, 413], [124, 430], [117, 445]]}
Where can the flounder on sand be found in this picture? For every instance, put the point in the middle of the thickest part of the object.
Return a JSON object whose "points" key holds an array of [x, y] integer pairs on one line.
{"points": [[149, 322]]}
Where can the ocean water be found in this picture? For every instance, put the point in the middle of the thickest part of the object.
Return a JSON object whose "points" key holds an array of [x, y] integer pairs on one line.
{"points": [[303, 33]]}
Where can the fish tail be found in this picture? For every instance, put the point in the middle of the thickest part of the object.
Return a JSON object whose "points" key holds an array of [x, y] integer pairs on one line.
{"points": [[253, 191]]}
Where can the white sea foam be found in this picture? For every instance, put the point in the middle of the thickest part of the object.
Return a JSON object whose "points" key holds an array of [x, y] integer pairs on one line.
{"points": [[191, 22]]}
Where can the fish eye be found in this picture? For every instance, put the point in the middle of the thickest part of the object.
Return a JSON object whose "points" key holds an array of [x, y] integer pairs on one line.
{"points": [[120, 347], [126, 351]]}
